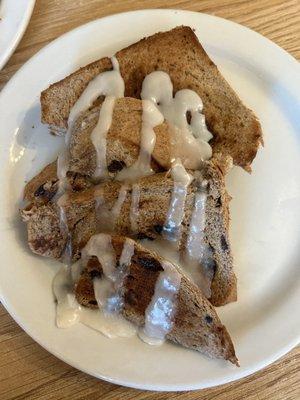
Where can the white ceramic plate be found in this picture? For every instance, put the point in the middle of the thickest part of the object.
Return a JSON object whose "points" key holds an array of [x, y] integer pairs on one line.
{"points": [[265, 230], [15, 16]]}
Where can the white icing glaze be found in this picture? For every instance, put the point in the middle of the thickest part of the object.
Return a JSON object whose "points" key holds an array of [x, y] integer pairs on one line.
{"points": [[172, 227], [117, 300], [62, 169], [134, 207], [200, 273], [106, 319], [76, 269], [185, 147], [198, 258], [69, 312], [109, 324], [149, 340], [195, 242], [115, 211], [99, 133], [159, 315], [107, 289], [103, 214], [191, 144], [61, 197], [100, 246], [127, 253], [67, 309], [197, 262], [110, 84], [63, 224], [151, 118], [104, 291], [106, 217], [108, 292], [165, 248]]}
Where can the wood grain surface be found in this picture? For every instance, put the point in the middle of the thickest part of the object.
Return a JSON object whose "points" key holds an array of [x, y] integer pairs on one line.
{"points": [[27, 371]]}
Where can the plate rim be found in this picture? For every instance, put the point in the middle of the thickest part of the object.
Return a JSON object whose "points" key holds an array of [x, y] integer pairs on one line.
{"points": [[168, 387], [16, 38]]}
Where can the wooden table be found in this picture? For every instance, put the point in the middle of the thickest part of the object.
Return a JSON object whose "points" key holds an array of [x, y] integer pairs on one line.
{"points": [[27, 371]]}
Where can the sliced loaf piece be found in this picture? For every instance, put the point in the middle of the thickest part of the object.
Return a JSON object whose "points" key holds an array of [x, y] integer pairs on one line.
{"points": [[196, 324], [85, 219], [236, 130]]}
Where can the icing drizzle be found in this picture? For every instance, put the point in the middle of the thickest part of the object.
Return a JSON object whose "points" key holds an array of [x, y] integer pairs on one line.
{"points": [[160, 313], [190, 138]]}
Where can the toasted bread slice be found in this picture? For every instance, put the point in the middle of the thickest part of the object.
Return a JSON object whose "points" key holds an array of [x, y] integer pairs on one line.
{"points": [[84, 220], [236, 130], [196, 324]]}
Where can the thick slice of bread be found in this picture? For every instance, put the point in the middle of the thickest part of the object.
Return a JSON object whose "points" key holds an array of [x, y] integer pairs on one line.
{"points": [[45, 237], [196, 324], [236, 130]]}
